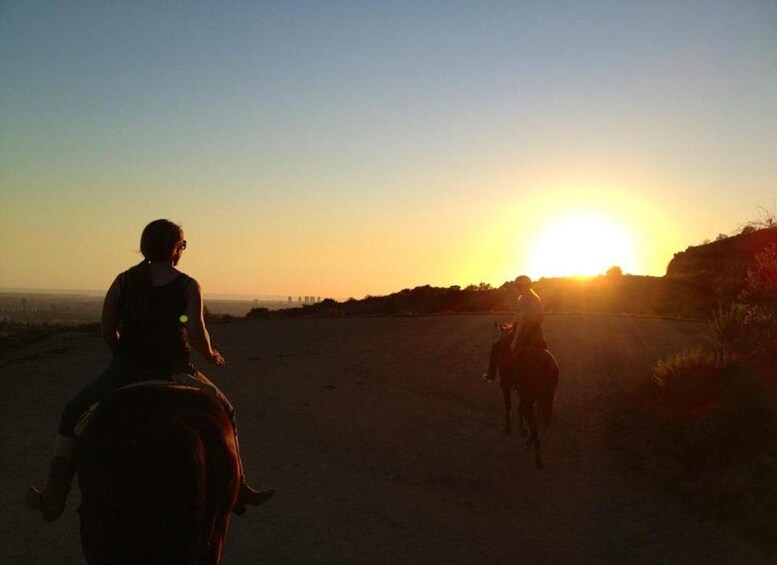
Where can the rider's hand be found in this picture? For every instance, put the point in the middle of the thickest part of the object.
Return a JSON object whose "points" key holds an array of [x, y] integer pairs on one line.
{"points": [[216, 358]]}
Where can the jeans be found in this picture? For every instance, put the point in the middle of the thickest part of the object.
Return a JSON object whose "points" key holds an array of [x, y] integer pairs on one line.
{"points": [[121, 372]]}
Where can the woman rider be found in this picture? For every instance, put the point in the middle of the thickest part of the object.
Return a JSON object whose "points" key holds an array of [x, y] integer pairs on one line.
{"points": [[526, 331], [152, 317]]}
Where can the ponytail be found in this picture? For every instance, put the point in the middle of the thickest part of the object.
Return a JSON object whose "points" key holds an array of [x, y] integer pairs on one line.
{"points": [[157, 243]]}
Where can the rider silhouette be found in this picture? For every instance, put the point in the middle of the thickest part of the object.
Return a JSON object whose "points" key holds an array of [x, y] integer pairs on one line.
{"points": [[152, 317], [526, 331]]}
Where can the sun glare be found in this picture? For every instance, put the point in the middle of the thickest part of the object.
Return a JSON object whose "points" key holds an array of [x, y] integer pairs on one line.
{"points": [[580, 244]]}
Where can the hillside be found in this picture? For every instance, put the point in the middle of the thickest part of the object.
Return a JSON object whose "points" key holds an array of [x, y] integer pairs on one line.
{"points": [[697, 281], [720, 267], [728, 257]]}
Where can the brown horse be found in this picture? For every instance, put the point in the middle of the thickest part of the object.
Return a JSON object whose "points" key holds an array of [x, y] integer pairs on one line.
{"points": [[159, 475], [533, 373]]}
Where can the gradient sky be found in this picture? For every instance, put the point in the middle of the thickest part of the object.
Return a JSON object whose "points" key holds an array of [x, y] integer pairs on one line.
{"points": [[350, 148]]}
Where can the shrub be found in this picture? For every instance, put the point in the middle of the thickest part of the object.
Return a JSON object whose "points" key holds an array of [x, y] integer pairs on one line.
{"points": [[733, 329], [751, 325], [260, 312], [761, 281], [691, 375], [711, 412]]}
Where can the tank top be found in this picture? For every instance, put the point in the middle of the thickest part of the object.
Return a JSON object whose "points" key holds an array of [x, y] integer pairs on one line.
{"points": [[156, 341]]}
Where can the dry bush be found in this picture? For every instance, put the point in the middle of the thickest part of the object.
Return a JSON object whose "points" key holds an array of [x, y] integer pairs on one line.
{"points": [[712, 412], [692, 372], [759, 296], [735, 329]]}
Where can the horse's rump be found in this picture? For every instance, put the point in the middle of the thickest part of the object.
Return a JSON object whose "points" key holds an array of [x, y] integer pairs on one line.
{"points": [[158, 473]]}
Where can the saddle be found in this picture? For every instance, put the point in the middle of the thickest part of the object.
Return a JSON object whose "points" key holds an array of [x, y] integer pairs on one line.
{"points": [[86, 417]]}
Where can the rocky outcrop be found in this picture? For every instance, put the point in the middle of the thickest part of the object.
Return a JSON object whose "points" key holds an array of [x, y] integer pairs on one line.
{"points": [[727, 258]]}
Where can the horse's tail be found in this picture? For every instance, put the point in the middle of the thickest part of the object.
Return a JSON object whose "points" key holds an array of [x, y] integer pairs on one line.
{"points": [[180, 494], [547, 393]]}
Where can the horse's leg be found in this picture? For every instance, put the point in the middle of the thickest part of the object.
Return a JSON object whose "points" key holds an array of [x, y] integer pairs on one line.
{"points": [[506, 393], [493, 360], [522, 425], [521, 417], [527, 411], [523, 420]]}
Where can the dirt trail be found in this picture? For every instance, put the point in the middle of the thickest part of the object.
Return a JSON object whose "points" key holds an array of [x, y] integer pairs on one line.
{"points": [[386, 447]]}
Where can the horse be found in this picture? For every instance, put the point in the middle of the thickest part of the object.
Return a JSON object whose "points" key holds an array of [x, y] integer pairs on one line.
{"points": [[159, 475], [532, 372]]}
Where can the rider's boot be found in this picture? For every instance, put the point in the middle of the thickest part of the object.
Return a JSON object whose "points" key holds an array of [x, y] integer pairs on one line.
{"points": [[51, 499], [246, 495]]}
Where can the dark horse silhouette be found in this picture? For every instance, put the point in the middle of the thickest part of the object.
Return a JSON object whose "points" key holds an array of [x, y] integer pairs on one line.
{"points": [[159, 476], [533, 373]]}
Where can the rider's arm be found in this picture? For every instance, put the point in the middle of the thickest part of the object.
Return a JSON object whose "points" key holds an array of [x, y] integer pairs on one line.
{"points": [[520, 316], [517, 331], [111, 316], [195, 325]]}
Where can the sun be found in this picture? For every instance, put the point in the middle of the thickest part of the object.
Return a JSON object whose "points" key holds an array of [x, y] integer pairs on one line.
{"points": [[580, 244]]}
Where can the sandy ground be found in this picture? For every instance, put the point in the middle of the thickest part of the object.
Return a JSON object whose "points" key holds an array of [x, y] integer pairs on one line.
{"points": [[386, 447]]}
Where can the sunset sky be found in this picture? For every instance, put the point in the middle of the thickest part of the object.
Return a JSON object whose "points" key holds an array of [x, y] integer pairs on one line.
{"points": [[340, 149]]}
